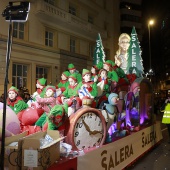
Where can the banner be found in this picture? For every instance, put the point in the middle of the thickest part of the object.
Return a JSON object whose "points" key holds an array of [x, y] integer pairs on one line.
{"points": [[119, 154]]}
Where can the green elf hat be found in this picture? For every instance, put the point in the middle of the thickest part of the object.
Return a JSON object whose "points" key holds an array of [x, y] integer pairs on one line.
{"points": [[57, 114], [73, 76], [53, 88], [41, 81], [85, 71], [99, 65], [108, 62], [13, 88], [71, 67], [66, 74]]}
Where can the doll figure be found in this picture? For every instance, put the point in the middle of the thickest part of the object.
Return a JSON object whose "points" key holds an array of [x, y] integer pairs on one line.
{"points": [[112, 75], [40, 85], [63, 84], [122, 53], [94, 71], [72, 70], [14, 101], [46, 103], [87, 87], [70, 95], [56, 117]]}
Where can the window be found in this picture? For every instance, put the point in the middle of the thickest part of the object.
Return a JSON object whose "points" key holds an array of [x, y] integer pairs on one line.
{"points": [[41, 72], [19, 75], [49, 38], [51, 2], [18, 30], [90, 19], [72, 9], [72, 45]]}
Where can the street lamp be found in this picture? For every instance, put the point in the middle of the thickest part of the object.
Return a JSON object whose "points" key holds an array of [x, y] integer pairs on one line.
{"points": [[150, 23]]}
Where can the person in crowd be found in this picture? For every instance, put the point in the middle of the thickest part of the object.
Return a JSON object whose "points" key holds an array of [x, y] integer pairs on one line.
{"points": [[166, 115], [2, 98]]}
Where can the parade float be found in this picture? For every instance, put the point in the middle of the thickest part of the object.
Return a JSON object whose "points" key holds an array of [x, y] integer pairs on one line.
{"points": [[105, 121]]}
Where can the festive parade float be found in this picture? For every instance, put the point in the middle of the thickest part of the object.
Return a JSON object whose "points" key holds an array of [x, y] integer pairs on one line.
{"points": [[102, 118]]}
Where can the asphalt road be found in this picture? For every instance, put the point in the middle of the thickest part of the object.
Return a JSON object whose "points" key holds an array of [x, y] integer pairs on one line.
{"points": [[157, 158]]}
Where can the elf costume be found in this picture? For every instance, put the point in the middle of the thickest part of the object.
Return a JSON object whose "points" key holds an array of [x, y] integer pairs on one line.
{"points": [[63, 84], [112, 75], [46, 103], [94, 71], [72, 70], [16, 103], [40, 88], [88, 87], [72, 90], [56, 117]]}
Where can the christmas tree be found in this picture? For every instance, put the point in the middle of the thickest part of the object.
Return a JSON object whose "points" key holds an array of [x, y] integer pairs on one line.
{"points": [[99, 54], [135, 62]]}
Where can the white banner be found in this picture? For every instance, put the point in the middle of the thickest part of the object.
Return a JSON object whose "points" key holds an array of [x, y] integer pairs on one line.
{"points": [[122, 152]]}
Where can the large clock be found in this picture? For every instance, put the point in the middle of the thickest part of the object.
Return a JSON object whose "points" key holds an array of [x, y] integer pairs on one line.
{"points": [[86, 129]]}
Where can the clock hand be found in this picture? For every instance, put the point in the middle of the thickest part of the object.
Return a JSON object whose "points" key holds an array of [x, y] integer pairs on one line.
{"points": [[86, 126], [95, 132]]}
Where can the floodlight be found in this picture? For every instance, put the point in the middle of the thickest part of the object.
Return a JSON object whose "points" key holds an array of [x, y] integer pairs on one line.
{"points": [[17, 11]]}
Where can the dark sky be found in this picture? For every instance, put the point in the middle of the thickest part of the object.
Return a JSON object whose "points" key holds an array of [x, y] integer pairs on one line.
{"points": [[157, 10]]}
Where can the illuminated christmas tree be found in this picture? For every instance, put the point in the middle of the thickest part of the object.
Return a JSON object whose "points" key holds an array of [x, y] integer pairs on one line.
{"points": [[99, 54], [135, 62]]}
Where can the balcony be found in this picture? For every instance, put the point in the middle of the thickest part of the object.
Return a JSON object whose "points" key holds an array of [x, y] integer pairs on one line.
{"points": [[59, 18]]}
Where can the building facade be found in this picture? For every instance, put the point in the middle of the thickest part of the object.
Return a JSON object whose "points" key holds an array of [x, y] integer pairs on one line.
{"points": [[130, 15], [57, 32]]}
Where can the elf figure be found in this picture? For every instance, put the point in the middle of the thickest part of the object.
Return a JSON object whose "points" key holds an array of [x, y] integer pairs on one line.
{"points": [[70, 95], [63, 84], [87, 87], [103, 86], [72, 70], [14, 101], [94, 71], [56, 117], [46, 103], [112, 75], [40, 85]]}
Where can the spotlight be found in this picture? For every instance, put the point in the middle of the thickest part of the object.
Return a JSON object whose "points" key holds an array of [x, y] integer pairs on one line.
{"points": [[17, 11]]}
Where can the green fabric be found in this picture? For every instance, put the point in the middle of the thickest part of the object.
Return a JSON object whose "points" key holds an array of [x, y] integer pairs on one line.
{"points": [[13, 88], [79, 77], [65, 85], [84, 72], [42, 81], [41, 120], [94, 91], [19, 106], [69, 92], [71, 66], [112, 75], [66, 73]]}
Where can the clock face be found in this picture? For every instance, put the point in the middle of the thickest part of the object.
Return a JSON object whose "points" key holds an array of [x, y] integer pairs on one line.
{"points": [[88, 131]]}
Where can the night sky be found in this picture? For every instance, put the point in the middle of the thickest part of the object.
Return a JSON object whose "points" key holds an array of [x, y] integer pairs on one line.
{"points": [[157, 10]]}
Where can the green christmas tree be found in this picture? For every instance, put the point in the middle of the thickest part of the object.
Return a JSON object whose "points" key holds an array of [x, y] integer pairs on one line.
{"points": [[99, 54], [135, 62]]}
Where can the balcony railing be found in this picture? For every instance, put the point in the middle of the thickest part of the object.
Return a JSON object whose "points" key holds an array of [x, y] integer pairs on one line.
{"points": [[62, 18]]}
